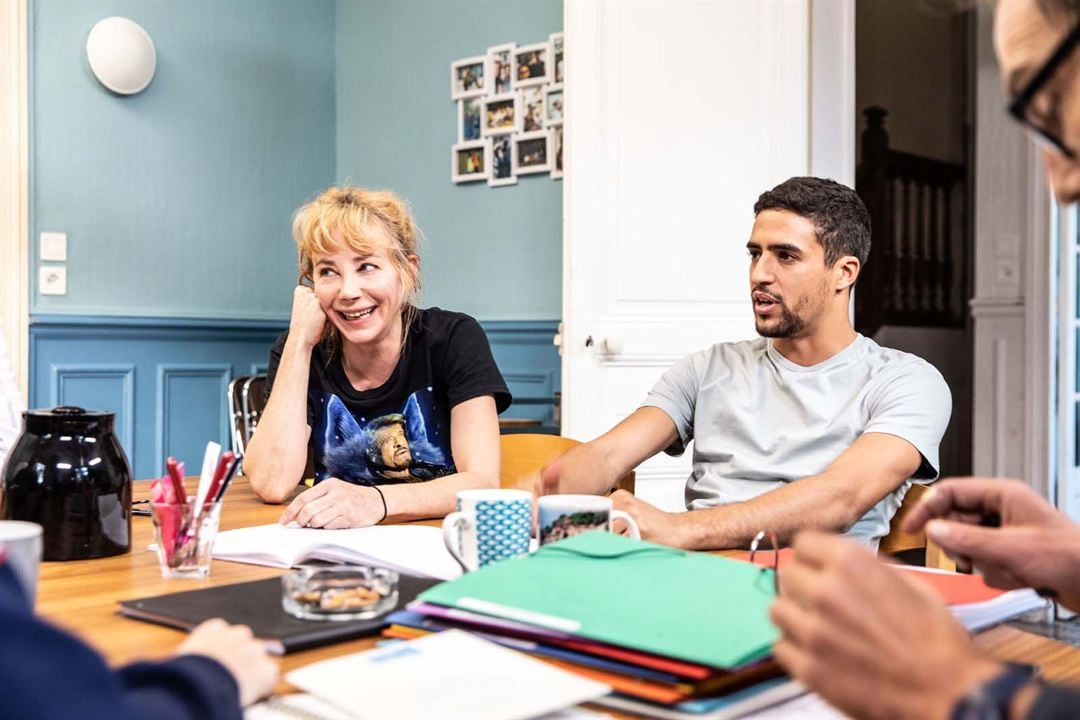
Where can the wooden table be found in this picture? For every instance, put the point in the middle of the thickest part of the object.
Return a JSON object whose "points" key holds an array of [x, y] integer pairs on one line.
{"points": [[82, 597]]}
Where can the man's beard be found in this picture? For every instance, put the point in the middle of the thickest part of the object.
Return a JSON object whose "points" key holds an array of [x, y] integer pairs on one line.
{"points": [[789, 325]]}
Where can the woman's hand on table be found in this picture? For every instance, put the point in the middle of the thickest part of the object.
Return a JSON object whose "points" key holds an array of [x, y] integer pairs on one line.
{"points": [[335, 504], [244, 656]]}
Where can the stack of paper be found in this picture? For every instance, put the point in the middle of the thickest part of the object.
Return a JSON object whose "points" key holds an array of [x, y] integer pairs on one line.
{"points": [[451, 675], [974, 603], [675, 634]]}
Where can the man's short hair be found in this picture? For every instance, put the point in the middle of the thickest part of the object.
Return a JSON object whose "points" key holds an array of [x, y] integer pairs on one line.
{"points": [[839, 215]]}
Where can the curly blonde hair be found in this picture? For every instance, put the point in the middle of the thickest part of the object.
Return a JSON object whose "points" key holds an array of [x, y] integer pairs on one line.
{"points": [[355, 216]]}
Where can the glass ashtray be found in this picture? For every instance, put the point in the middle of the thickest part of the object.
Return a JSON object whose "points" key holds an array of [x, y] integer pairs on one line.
{"points": [[339, 592]]}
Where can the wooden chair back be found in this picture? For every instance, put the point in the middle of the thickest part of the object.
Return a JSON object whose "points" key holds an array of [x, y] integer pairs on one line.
{"points": [[245, 400], [525, 453], [898, 541], [234, 398]]}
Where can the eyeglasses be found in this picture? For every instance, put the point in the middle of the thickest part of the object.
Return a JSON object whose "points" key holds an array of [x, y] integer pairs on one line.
{"points": [[1018, 108], [776, 555]]}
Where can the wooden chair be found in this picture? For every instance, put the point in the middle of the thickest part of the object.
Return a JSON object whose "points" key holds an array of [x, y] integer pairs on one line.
{"points": [[245, 399], [234, 399], [898, 541], [524, 453]]}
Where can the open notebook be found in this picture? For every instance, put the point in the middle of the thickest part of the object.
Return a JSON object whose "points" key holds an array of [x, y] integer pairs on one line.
{"points": [[412, 549]]}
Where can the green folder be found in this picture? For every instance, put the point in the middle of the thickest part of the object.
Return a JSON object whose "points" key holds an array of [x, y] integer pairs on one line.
{"points": [[691, 606]]}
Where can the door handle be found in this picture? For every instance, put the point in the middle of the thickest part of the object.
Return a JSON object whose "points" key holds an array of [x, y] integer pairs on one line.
{"points": [[608, 345]]}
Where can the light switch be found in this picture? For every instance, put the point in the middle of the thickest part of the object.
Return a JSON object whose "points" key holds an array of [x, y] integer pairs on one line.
{"points": [[52, 280], [53, 246]]}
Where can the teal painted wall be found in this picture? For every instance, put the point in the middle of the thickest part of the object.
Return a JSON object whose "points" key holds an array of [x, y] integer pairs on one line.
{"points": [[495, 253], [177, 201]]}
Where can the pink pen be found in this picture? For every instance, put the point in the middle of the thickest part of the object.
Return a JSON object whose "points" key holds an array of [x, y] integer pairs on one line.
{"points": [[176, 474], [168, 517], [229, 477], [224, 465]]}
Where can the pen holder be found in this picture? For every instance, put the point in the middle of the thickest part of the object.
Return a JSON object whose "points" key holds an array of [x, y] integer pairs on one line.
{"points": [[185, 541]]}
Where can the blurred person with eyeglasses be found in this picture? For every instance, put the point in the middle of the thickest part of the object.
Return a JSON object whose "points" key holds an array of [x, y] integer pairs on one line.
{"points": [[872, 642]]}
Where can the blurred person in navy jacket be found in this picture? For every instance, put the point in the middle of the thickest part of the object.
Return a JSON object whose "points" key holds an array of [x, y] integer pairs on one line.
{"points": [[47, 674]]}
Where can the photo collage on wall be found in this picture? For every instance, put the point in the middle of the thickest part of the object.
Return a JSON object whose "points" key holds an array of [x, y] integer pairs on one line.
{"points": [[509, 113]]}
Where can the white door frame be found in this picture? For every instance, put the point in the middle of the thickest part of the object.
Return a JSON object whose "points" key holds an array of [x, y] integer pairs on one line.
{"points": [[14, 187], [832, 90], [1066, 490]]}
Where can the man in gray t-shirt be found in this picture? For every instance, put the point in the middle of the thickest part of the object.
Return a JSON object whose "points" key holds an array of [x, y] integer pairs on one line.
{"points": [[760, 421], [810, 426]]}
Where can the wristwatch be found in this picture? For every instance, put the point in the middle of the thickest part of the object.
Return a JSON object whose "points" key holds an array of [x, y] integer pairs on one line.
{"points": [[990, 700]]}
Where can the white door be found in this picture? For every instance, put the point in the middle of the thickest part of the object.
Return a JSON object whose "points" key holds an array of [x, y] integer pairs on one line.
{"points": [[14, 188], [680, 115]]}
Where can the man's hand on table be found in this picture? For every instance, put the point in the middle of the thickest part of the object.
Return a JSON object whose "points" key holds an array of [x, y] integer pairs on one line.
{"points": [[655, 524], [1007, 531], [243, 656], [334, 504], [872, 642]]}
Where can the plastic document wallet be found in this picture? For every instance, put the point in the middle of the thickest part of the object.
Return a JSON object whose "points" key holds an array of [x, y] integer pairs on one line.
{"points": [[601, 586]]}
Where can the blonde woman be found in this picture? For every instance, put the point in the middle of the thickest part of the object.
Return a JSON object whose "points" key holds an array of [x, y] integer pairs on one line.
{"points": [[399, 404]]}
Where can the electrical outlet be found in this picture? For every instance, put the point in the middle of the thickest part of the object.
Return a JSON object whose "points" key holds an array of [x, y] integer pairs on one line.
{"points": [[53, 246], [52, 280]]}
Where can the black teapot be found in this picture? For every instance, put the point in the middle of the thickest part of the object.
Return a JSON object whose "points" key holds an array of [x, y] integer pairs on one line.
{"points": [[68, 473]]}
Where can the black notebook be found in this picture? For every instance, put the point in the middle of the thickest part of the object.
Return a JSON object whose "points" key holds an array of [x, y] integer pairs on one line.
{"points": [[257, 604]]}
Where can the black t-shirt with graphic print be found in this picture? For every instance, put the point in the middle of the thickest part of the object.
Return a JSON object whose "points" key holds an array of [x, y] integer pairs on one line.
{"points": [[400, 431]]}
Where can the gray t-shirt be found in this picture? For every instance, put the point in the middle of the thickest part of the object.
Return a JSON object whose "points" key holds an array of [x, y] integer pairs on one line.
{"points": [[760, 421]]}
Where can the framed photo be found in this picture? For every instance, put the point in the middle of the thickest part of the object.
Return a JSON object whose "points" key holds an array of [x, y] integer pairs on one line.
{"points": [[467, 77], [531, 65], [531, 153], [468, 119], [553, 107], [532, 108], [500, 114], [470, 161], [500, 68], [555, 147], [558, 64], [502, 165]]}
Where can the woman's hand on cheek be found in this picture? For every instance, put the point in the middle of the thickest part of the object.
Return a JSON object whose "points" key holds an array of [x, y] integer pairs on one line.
{"points": [[334, 504], [308, 320]]}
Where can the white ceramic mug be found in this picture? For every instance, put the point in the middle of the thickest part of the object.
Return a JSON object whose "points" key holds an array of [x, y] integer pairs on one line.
{"points": [[488, 526], [562, 516], [21, 543]]}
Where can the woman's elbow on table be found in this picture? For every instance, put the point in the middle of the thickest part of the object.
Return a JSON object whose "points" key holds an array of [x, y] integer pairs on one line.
{"points": [[262, 482]]}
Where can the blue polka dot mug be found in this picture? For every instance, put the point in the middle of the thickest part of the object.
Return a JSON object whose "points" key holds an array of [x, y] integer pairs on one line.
{"points": [[488, 526]]}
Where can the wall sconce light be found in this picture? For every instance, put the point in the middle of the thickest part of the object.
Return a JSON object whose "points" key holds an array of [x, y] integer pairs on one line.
{"points": [[121, 55]]}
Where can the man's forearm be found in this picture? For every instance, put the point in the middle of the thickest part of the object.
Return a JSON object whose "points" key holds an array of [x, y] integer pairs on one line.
{"points": [[801, 505], [588, 470]]}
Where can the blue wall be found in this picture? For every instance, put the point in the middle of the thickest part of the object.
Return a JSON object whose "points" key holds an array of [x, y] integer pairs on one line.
{"points": [[166, 378], [177, 201], [495, 253]]}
